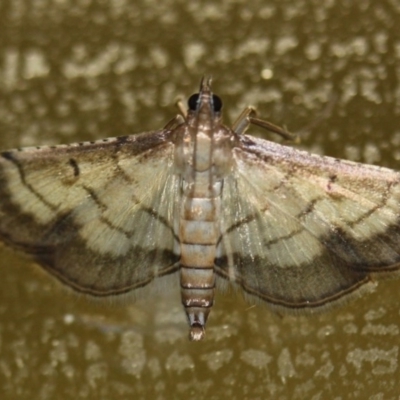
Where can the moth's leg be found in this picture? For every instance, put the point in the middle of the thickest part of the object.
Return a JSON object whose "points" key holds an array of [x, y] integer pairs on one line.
{"points": [[248, 117], [179, 119], [242, 122], [181, 107]]}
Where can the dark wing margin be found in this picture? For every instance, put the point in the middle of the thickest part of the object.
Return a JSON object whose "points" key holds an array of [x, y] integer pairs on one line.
{"points": [[97, 215], [302, 231]]}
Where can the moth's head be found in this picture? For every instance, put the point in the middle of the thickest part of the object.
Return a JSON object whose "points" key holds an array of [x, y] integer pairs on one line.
{"points": [[204, 105]]}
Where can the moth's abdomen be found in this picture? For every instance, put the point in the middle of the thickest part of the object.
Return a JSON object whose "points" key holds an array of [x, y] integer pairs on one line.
{"points": [[199, 233]]}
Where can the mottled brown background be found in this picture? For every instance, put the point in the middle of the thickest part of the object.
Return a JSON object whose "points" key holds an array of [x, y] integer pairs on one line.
{"points": [[73, 70]]}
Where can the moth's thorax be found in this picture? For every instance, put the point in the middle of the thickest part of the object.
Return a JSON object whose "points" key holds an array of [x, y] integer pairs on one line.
{"points": [[204, 156]]}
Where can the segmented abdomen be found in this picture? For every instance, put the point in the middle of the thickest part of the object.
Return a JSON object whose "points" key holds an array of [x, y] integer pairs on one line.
{"points": [[199, 233]]}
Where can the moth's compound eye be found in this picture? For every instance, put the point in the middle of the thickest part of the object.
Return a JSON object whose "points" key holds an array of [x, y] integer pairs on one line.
{"points": [[193, 101], [217, 103]]}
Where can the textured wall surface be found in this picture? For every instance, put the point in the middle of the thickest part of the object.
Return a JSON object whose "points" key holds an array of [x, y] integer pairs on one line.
{"points": [[82, 70]]}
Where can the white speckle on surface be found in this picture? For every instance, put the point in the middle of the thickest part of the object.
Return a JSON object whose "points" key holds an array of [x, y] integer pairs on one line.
{"points": [[352, 152], [305, 358], [132, 352], [294, 85], [119, 58], [222, 332], [304, 390], [160, 387], [159, 57], [285, 44], [350, 328], [155, 368], [35, 64], [207, 11], [343, 371], [359, 45], [267, 73], [96, 374], [256, 358], [371, 153], [380, 42], [382, 361], [349, 89], [179, 363], [192, 53], [58, 354], [285, 365], [194, 385], [168, 324], [224, 53], [326, 370], [127, 60], [255, 97], [252, 46], [395, 139], [293, 10], [92, 351], [339, 50], [274, 333], [377, 396], [369, 89], [9, 70], [216, 359], [374, 314], [325, 331], [69, 371], [68, 319], [267, 11], [380, 329], [313, 51]]}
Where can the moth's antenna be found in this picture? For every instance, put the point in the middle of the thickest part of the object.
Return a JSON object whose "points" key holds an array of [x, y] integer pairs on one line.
{"points": [[205, 83], [202, 83]]}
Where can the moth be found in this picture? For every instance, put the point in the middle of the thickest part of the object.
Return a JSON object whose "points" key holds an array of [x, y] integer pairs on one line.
{"points": [[296, 230]]}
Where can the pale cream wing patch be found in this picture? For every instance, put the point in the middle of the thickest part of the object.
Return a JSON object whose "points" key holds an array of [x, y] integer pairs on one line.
{"points": [[300, 230], [97, 215]]}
